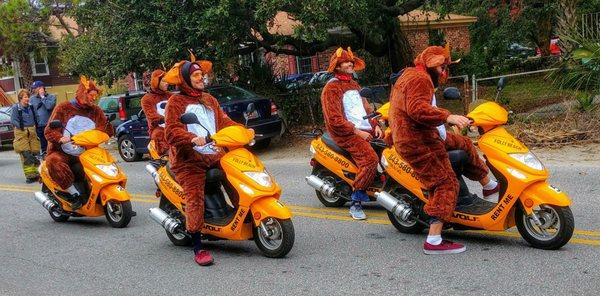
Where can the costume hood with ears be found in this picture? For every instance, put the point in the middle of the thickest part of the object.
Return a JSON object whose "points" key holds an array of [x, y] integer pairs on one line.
{"points": [[341, 56], [434, 56], [85, 86], [179, 75], [155, 78]]}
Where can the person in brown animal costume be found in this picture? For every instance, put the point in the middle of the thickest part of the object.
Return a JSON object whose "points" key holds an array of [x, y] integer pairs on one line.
{"points": [[189, 165], [77, 115], [154, 103], [419, 136], [343, 109]]}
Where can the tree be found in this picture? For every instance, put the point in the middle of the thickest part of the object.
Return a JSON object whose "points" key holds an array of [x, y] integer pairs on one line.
{"points": [[142, 35], [23, 30]]}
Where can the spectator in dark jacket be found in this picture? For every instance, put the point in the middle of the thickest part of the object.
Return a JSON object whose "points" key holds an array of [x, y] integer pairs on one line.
{"points": [[43, 103]]}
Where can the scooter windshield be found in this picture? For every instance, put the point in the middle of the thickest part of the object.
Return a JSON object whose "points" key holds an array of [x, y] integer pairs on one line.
{"points": [[76, 125]]}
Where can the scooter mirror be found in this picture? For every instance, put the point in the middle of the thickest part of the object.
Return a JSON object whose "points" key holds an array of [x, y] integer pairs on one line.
{"points": [[501, 83], [55, 124], [189, 118], [112, 117], [452, 93], [251, 108]]}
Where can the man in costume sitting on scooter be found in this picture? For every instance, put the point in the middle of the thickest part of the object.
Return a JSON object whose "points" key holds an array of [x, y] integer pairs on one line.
{"points": [[419, 136], [77, 115], [344, 109], [189, 154], [152, 104]]}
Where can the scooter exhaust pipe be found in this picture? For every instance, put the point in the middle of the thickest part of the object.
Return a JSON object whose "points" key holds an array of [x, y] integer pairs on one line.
{"points": [[166, 221], [45, 201], [399, 208], [153, 172], [320, 185]]}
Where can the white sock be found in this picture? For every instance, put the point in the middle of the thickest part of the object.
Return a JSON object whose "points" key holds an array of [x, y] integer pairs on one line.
{"points": [[72, 190], [490, 185], [434, 239]]}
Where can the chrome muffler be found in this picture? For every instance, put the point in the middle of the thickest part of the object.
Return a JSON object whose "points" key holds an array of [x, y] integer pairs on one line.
{"points": [[399, 208], [153, 172], [320, 185], [166, 221], [45, 201]]}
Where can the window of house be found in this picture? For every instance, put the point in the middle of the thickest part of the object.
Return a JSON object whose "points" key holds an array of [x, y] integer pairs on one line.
{"points": [[304, 64], [138, 80], [39, 64]]}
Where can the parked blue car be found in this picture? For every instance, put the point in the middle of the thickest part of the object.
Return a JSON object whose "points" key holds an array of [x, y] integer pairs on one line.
{"points": [[133, 138]]}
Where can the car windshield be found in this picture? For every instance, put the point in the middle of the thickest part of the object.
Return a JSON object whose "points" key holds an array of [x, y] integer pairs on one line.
{"points": [[109, 104], [228, 94], [4, 117]]}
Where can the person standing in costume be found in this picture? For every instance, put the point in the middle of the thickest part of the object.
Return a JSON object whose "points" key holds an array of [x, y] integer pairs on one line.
{"points": [[77, 115], [26, 143], [420, 138], [154, 103], [189, 165], [344, 109]]}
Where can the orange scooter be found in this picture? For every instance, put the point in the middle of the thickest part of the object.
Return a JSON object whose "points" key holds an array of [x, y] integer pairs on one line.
{"points": [[254, 211], [540, 211], [97, 176]]}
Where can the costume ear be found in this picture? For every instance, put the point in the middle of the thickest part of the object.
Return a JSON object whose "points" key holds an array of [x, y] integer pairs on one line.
{"points": [[206, 66], [339, 52], [350, 53], [192, 56], [84, 81], [172, 77]]}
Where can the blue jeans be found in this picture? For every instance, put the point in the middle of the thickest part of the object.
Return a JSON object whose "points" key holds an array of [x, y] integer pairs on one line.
{"points": [[40, 133]]}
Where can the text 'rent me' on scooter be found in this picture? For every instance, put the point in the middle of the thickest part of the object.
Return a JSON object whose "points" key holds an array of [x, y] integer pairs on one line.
{"points": [[255, 211], [97, 177], [540, 211]]}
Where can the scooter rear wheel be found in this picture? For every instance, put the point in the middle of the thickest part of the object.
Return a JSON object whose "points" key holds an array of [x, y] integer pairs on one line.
{"points": [[278, 241], [118, 214], [411, 226], [556, 230], [178, 239], [335, 201], [56, 215]]}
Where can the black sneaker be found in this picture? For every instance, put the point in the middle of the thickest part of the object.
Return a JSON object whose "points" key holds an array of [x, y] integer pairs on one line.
{"points": [[77, 202]]}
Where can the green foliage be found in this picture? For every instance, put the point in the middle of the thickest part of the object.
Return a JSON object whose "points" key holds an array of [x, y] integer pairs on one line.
{"points": [[23, 28], [580, 70], [585, 103]]}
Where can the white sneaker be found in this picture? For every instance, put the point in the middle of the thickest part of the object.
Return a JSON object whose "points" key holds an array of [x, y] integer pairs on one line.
{"points": [[357, 212]]}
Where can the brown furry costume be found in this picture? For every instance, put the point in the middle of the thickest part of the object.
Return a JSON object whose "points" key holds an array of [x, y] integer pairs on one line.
{"points": [[58, 162], [149, 105], [188, 165], [413, 123], [340, 128]]}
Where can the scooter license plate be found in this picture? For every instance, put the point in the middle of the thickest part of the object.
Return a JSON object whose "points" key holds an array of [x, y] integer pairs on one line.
{"points": [[251, 115]]}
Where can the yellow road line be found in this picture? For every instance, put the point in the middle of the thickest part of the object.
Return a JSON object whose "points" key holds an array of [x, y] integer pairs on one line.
{"points": [[320, 213], [370, 213]]}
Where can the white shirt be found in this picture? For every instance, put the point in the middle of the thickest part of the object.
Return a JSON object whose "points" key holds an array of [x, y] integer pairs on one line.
{"points": [[161, 111], [76, 125], [441, 128], [355, 110], [206, 117]]}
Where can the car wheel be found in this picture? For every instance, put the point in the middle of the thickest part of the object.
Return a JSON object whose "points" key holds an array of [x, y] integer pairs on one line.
{"points": [[127, 149]]}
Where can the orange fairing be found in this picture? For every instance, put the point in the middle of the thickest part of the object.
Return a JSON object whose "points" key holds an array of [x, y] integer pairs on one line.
{"points": [[488, 114], [91, 138], [233, 136]]}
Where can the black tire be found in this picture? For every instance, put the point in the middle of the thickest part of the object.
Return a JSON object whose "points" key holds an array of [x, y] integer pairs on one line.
{"points": [[410, 227], [262, 144], [177, 239], [330, 202], [276, 250], [558, 239], [127, 148], [120, 215], [58, 216]]}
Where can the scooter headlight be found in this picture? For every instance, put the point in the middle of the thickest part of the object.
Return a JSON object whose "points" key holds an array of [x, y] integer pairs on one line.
{"points": [[262, 178], [384, 162], [529, 159], [110, 170]]}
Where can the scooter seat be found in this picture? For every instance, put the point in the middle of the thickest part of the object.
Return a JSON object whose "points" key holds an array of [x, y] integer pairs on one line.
{"points": [[326, 138]]}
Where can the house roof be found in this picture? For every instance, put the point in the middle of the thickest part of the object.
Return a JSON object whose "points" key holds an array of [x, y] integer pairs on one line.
{"points": [[422, 18], [283, 23]]}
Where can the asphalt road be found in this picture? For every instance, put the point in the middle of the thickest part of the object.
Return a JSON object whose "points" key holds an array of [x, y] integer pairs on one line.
{"points": [[333, 255]]}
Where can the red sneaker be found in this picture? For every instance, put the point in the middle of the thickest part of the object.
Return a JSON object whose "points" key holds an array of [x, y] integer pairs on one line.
{"points": [[487, 193], [446, 247], [203, 258]]}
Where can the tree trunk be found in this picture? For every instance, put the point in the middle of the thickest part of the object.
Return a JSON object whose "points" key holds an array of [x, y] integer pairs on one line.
{"points": [[26, 73], [400, 52], [567, 22]]}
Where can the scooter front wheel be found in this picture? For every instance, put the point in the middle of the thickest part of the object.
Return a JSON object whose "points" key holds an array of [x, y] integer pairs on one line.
{"points": [[118, 214], [275, 237], [556, 229]]}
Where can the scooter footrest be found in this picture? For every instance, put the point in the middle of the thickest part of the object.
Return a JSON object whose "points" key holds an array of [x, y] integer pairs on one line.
{"points": [[477, 207]]}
